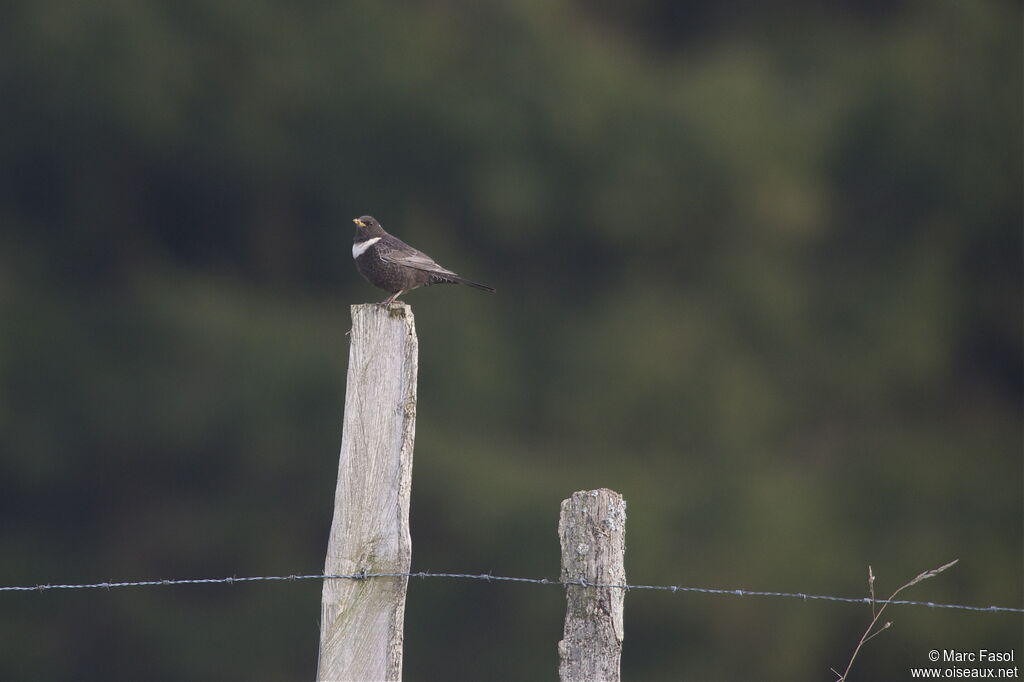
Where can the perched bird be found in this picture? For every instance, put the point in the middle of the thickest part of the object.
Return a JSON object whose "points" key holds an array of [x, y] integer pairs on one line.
{"points": [[390, 264]]}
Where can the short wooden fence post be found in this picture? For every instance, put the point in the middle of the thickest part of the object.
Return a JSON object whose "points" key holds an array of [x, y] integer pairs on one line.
{"points": [[592, 530]]}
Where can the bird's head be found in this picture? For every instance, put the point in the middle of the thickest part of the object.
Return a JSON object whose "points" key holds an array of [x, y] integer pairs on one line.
{"points": [[368, 225]]}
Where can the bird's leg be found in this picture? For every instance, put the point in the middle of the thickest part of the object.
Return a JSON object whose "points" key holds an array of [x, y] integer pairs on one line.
{"points": [[392, 298]]}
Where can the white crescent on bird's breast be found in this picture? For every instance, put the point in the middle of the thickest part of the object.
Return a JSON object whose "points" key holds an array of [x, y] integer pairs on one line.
{"points": [[359, 248]]}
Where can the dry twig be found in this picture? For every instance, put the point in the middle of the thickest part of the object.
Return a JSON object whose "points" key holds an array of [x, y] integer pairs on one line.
{"points": [[871, 632]]}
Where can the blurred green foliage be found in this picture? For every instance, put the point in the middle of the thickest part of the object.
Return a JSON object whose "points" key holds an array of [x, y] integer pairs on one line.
{"points": [[758, 269]]}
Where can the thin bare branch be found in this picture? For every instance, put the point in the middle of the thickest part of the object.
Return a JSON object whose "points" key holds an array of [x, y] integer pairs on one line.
{"points": [[870, 632]]}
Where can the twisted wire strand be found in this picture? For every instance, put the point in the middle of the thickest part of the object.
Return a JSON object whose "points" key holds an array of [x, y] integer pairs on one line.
{"points": [[108, 585]]}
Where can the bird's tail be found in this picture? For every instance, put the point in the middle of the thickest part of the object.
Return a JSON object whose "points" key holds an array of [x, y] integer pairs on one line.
{"points": [[475, 285]]}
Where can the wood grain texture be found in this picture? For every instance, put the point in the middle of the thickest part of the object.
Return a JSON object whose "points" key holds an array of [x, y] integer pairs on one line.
{"points": [[361, 622], [592, 530]]}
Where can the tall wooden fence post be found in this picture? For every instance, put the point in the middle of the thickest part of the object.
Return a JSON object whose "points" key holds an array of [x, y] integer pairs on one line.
{"points": [[361, 621], [592, 530]]}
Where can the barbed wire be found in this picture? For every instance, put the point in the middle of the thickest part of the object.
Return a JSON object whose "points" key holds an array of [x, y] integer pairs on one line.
{"points": [[501, 578]]}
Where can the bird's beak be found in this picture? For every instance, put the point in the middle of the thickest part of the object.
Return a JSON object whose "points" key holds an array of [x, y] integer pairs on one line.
{"points": [[359, 222]]}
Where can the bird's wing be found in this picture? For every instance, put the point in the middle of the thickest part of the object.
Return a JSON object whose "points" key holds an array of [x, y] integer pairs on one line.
{"points": [[401, 253]]}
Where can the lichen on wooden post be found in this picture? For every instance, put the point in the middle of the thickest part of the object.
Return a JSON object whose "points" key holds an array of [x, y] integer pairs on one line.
{"points": [[361, 621], [592, 530]]}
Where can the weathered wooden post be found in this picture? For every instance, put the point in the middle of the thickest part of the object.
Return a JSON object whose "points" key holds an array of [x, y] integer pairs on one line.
{"points": [[361, 621], [592, 529]]}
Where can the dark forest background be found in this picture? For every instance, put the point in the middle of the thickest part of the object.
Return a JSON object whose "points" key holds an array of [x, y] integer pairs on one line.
{"points": [[758, 269]]}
